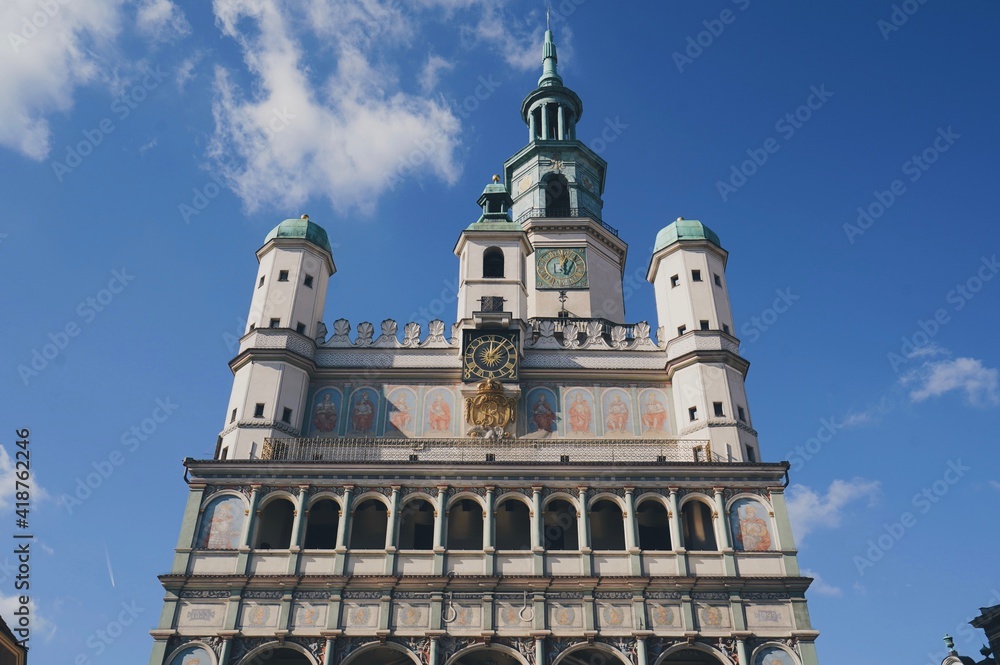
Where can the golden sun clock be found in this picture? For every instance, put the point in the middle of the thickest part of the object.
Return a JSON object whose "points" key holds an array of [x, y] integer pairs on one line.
{"points": [[490, 355]]}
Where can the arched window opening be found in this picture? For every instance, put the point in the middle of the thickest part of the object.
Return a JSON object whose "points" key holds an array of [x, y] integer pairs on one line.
{"points": [[556, 196], [322, 525], [279, 656], [368, 525], [416, 526], [222, 524], [465, 525], [699, 532], [275, 529], [493, 262], [607, 528], [691, 657], [560, 522], [513, 526], [654, 526]]}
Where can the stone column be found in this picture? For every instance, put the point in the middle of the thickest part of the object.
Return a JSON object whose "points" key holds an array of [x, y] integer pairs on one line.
{"points": [[186, 539], [562, 123], [721, 528], [243, 563], [532, 135], [391, 527], [545, 121], [676, 532], [631, 538], [640, 651], [489, 539], [539, 650], [295, 544], [342, 531], [583, 529], [439, 516], [537, 530]]}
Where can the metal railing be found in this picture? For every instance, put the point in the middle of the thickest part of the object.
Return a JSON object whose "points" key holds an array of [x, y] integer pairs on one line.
{"points": [[565, 212], [560, 324], [473, 451]]}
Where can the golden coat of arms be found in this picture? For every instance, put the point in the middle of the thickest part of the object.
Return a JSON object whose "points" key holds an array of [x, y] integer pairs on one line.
{"points": [[489, 410]]}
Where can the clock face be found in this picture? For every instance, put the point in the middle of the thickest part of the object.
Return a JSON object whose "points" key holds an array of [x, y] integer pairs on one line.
{"points": [[490, 356], [561, 268]]}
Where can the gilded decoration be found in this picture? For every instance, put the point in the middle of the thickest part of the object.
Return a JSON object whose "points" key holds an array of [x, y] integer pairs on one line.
{"points": [[490, 410]]}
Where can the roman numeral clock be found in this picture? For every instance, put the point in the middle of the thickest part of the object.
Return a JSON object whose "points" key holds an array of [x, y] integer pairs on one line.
{"points": [[490, 355]]}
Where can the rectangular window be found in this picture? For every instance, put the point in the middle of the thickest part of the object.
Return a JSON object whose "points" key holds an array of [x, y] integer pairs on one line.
{"points": [[718, 409], [261, 282], [282, 275], [703, 324], [674, 281], [275, 323], [725, 328], [258, 411], [300, 328], [698, 457], [253, 325], [751, 455], [224, 454], [695, 275], [718, 280], [286, 416], [308, 281], [232, 416], [693, 413], [681, 330], [741, 413]]}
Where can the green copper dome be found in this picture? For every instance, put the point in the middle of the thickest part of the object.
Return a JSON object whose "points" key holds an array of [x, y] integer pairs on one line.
{"points": [[685, 229], [302, 229]]}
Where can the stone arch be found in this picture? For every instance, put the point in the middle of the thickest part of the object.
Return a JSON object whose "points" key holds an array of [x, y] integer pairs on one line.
{"points": [[760, 652], [178, 653], [275, 518], [555, 189], [222, 518], [607, 523], [698, 523], [560, 524], [415, 522], [750, 520], [369, 522], [323, 521], [457, 659], [465, 522], [652, 518], [493, 263], [513, 522], [252, 658], [364, 655], [707, 654], [613, 655]]}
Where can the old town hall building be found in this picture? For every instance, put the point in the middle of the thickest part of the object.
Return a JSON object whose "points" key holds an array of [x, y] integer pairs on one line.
{"points": [[540, 483]]}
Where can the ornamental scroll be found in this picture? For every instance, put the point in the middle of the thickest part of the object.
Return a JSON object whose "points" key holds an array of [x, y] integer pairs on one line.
{"points": [[490, 411]]}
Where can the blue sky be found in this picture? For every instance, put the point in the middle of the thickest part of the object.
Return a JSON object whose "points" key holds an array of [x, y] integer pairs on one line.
{"points": [[147, 147]]}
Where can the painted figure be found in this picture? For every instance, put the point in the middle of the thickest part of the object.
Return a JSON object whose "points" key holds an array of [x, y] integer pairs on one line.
{"points": [[363, 414], [543, 415], [224, 526], [579, 414], [753, 535], [325, 415], [439, 416], [616, 421], [400, 415], [654, 415]]}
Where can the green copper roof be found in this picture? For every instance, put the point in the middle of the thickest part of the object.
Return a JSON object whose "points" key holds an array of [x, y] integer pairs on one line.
{"points": [[685, 229], [301, 229]]}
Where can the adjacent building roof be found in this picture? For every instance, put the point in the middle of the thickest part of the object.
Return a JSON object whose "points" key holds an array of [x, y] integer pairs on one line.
{"points": [[303, 229], [685, 229]]}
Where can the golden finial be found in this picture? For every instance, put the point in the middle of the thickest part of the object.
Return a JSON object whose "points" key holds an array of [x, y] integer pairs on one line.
{"points": [[496, 178], [305, 217]]}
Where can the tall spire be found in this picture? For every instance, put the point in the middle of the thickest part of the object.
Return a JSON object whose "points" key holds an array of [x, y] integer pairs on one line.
{"points": [[550, 60]]}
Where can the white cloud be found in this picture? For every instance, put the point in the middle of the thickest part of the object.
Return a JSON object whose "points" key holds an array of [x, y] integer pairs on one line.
{"points": [[821, 586], [46, 57], [431, 72], [346, 139], [809, 510], [8, 484], [161, 20], [149, 145], [979, 383], [185, 71], [872, 414], [40, 624]]}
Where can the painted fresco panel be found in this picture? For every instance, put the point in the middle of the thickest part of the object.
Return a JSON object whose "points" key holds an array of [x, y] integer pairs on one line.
{"points": [[580, 413], [617, 411], [542, 410], [196, 655], [653, 405], [440, 413], [400, 412], [363, 413], [327, 408], [769, 616], [662, 615], [750, 526], [773, 656], [201, 615], [260, 616], [713, 617], [222, 523]]}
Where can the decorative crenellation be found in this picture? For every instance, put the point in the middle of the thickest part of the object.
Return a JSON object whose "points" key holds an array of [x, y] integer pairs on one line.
{"points": [[388, 339], [592, 335]]}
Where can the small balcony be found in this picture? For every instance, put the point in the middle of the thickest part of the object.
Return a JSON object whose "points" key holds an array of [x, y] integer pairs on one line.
{"points": [[564, 213]]}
